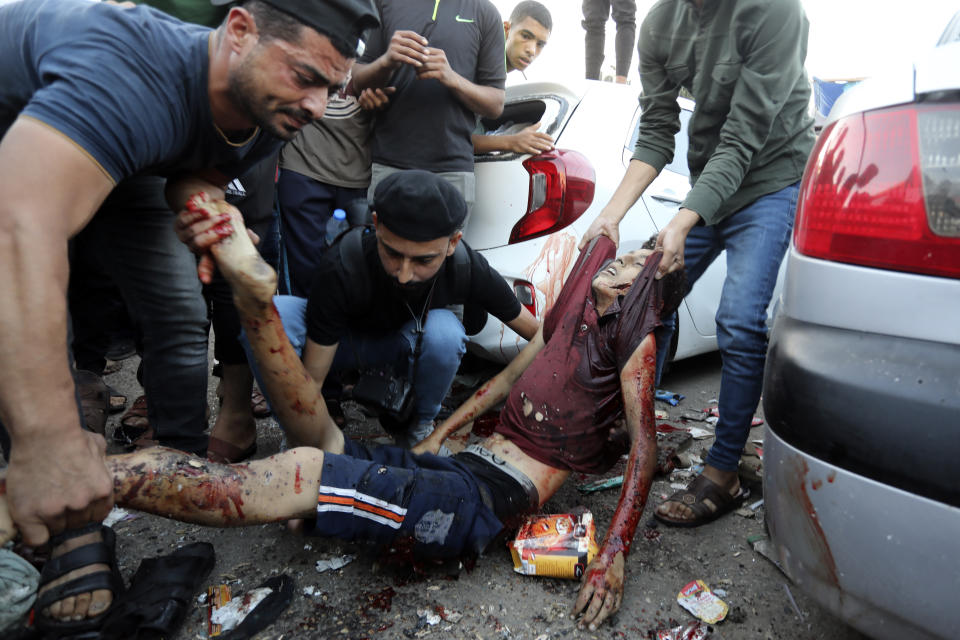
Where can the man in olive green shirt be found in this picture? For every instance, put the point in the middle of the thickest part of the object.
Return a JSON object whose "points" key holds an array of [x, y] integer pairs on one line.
{"points": [[750, 135]]}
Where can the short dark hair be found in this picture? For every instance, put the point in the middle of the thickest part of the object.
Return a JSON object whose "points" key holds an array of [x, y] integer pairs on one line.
{"points": [[274, 24], [532, 9]]}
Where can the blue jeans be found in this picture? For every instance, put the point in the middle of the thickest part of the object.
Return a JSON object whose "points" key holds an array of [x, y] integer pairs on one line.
{"points": [[756, 239], [157, 276], [444, 343]]}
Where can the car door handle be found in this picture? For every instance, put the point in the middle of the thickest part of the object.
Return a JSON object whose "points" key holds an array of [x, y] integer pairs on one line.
{"points": [[662, 197], [667, 195]]}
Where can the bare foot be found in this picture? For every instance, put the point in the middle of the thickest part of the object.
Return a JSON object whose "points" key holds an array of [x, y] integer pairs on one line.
{"points": [[728, 480], [85, 605]]}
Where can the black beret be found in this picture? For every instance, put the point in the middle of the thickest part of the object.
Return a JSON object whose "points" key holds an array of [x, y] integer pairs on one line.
{"points": [[345, 19], [419, 205]]}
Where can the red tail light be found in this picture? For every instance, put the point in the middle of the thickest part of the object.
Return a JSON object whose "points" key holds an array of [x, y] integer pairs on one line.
{"points": [[561, 189], [526, 295], [882, 189]]}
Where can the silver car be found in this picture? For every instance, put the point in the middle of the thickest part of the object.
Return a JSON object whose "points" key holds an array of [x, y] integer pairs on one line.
{"points": [[862, 386]]}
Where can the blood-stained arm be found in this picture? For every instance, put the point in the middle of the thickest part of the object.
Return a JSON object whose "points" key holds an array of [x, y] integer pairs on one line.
{"points": [[485, 398], [50, 189], [602, 590]]}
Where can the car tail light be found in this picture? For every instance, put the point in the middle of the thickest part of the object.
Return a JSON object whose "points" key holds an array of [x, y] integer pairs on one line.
{"points": [[561, 189], [526, 295], [882, 189]]}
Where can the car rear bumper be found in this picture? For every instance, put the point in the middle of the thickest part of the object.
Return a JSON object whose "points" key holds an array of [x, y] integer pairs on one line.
{"points": [[882, 559], [882, 407]]}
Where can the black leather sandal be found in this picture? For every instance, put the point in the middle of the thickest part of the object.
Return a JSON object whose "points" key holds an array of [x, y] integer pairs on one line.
{"points": [[99, 552]]}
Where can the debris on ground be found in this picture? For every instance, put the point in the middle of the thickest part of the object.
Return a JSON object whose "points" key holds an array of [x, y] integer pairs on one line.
{"points": [[669, 447], [793, 602], [119, 515], [557, 546], [233, 612], [671, 398], [697, 598], [217, 596], [762, 545], [600, 485], [334, 563], [690, 631]]}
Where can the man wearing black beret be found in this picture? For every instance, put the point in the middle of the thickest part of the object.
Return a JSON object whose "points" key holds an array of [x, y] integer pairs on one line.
{"points": [[92, 94], [367, 305]]}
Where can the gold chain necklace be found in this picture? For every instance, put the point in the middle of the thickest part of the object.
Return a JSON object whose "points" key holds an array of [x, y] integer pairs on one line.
{"points": [[230, 142]]}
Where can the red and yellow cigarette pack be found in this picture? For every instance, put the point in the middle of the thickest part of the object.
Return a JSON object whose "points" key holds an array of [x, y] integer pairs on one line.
{"points": [[557, 546]]}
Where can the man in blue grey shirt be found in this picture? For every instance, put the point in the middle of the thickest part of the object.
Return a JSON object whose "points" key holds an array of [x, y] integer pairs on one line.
{"points": [[90, 95]]}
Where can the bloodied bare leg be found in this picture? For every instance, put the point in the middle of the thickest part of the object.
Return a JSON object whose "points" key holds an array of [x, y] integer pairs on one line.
{"points": [[185, 488], [295, 397], [175, 485]]}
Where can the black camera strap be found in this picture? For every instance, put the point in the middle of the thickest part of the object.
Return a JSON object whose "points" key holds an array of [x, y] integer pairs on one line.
{"points": [[420, 323]]}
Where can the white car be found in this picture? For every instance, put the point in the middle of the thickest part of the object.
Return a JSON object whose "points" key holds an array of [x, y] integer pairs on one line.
{"points": [[531, 211]]}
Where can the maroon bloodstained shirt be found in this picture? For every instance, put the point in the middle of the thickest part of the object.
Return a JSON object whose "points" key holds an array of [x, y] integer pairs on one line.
{"points": [[561, 410]]}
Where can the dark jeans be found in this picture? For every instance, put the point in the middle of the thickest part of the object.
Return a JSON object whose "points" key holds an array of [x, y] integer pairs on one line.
{"points": [[157, 276], [595, 14], [755, 239], [305, 207], [97, 310]]}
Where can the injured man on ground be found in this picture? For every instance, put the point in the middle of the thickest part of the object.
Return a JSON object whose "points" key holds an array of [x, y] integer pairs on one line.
{"points": [[588, 372]]}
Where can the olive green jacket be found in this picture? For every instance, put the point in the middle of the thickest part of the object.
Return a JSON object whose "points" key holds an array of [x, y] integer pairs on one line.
{"points": [[742, 60]]}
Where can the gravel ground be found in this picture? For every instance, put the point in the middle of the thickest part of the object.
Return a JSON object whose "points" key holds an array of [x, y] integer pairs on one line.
{"points": [[384, 597]]}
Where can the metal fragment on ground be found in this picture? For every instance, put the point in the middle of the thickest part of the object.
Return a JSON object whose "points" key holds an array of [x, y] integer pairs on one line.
{"points": [[334, 563]]}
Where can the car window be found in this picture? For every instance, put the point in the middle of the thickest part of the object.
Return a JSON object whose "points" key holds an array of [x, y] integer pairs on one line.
{"points": [[549, 111], [680, 143], [519, 115], [952, 32]]}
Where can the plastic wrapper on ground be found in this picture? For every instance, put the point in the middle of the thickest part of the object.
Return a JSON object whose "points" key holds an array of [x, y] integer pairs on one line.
{"points": [[697, 598]]}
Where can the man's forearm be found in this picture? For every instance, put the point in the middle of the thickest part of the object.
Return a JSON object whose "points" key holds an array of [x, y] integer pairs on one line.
{"points": [[485, 101], [371, 75], [635, 181]]}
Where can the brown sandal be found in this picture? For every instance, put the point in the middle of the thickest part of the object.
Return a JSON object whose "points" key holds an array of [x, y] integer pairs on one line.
{"points": [[706, 499], [225, 452], [134, 424]]}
